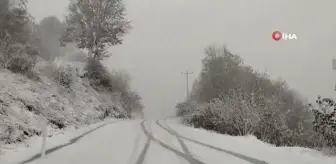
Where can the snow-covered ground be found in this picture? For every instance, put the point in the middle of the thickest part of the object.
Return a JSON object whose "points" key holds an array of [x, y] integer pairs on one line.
{"points": [[161, 142]]}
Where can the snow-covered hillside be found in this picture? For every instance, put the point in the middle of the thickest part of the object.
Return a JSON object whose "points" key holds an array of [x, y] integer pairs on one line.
{"points": [[26, 104]]}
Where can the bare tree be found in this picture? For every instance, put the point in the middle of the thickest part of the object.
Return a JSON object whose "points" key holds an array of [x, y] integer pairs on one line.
{"points": [[96, 25]]}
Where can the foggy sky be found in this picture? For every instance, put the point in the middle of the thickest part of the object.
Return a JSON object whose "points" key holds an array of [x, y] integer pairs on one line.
{"points": [[169, 36]]}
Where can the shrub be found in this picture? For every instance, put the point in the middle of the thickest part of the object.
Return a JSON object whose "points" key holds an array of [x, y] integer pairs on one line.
{"points": [[233, 116], [186, 108], [325, 120], [63, 75], [98, 75], [59, 123], [272, 128], [117, 82], [23, 64], [131, 102], [33, 75]]}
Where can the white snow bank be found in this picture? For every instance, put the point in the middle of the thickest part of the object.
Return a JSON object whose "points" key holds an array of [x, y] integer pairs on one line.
{"points": [[63, 138], [248, 146]]}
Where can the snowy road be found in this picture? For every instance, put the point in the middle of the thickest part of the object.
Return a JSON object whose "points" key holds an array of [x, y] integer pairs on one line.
{"points": [[167, 142]]}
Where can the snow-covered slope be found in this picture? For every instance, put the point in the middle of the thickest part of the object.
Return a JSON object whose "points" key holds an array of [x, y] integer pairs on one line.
{"points": [[160, 142], [26, 104]]}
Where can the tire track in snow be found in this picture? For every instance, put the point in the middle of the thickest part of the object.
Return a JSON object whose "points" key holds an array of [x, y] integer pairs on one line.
{"points": [[172, 132], [143, 153], [135, 149], [72, 141], [181, 142], [185, 156], [241, 156]]}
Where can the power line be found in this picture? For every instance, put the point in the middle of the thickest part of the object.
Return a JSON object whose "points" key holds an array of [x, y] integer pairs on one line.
{"points": [[187, 81]]}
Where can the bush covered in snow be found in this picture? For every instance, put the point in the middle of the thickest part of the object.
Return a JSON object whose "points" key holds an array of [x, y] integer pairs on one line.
{"points": [[231, 98], [325, 121], [63, 75], [21, 63], [99, 76], [115, 82]]}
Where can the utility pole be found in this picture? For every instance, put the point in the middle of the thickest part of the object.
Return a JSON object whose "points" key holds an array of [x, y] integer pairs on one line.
{"points": [[187, 79], [334, 68]]}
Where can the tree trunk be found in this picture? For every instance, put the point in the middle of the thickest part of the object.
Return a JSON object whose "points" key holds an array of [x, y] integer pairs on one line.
{"points": [[95, 56]]}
